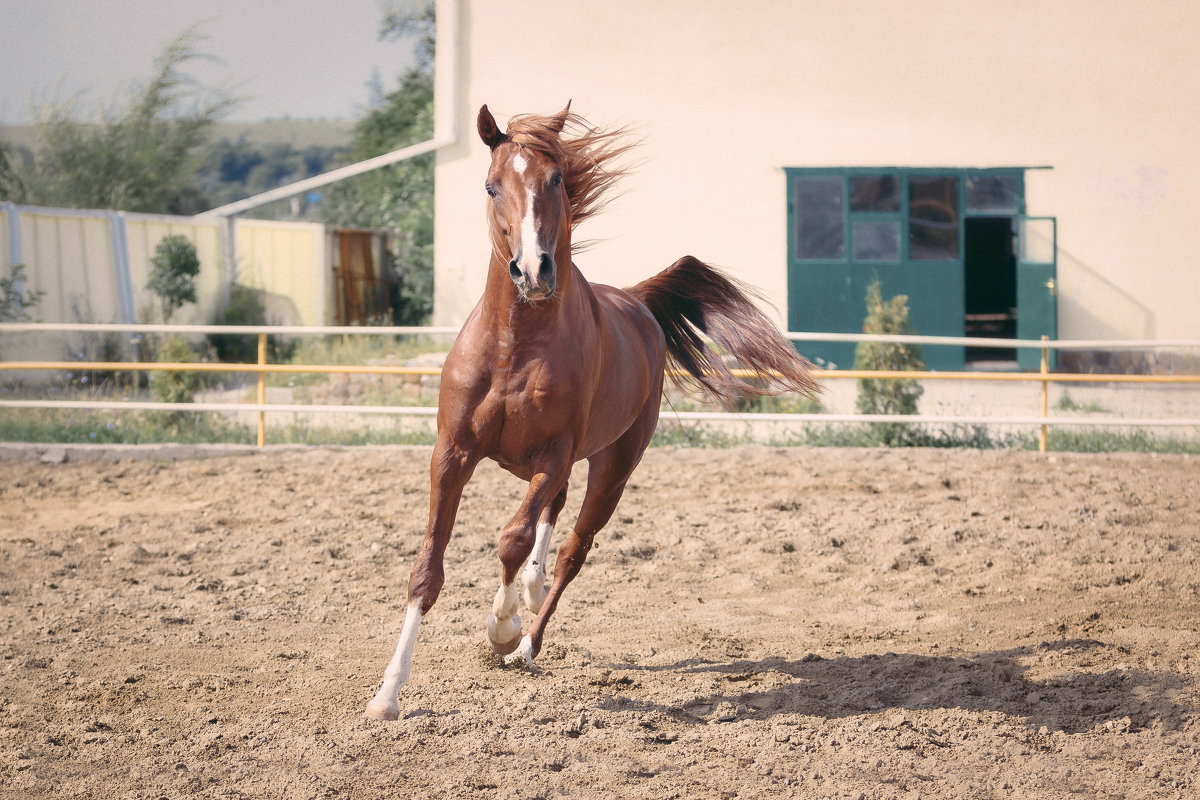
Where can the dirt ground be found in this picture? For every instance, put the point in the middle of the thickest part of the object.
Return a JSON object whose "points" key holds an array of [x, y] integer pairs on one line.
{"points": [[755, 622]]}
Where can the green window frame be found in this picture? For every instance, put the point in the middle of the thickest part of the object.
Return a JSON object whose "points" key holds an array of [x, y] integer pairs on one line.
{"points": [[904, 226], [893, 215]]}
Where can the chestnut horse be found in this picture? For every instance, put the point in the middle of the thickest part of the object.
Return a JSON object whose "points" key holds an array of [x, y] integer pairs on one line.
{"points": [[550, 369]]}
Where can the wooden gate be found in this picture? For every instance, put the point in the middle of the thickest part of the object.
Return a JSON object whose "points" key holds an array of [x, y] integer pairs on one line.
{"points": [[363, 288]]}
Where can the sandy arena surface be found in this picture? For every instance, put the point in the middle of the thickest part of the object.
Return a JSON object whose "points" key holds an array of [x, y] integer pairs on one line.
{"points": [[754, 622]]}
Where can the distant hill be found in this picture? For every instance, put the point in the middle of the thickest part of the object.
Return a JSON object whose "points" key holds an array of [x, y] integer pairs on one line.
{"points": [[299, 133]]}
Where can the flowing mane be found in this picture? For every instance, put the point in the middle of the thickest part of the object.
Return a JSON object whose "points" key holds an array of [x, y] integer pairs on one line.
{"points": [[586, 157]]}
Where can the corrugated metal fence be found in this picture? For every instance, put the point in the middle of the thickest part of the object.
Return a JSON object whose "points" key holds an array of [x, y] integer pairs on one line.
{"points": [[92, 265]]}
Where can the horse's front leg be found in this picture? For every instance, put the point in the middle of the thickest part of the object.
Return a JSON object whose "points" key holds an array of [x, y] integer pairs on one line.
{"points": [[524, 542], [450, 470]]}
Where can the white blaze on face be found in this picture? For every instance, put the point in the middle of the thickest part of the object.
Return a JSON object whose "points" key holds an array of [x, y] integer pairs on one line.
{"points": [[529, 243]]}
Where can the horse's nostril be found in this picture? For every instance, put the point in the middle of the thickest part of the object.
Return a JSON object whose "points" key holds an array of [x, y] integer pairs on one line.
{"points": [[546, 267], [514, 270]]}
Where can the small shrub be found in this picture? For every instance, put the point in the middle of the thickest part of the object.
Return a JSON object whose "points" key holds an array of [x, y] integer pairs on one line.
{"points": [[246, 307], [174, 386], [15, 299], [888, 396]]}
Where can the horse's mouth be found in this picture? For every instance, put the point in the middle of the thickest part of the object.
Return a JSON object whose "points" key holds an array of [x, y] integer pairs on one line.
{"points": [[538, 293]]}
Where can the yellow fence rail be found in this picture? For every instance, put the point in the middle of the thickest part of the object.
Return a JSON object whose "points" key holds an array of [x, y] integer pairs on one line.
{"points": [[261, 368]]}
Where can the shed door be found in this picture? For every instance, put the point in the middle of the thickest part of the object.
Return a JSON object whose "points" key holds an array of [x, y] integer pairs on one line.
{"points": [[1037, 294]]}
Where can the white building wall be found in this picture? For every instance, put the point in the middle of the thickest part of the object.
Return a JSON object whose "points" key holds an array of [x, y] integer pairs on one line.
{"points": [[728, 94]]}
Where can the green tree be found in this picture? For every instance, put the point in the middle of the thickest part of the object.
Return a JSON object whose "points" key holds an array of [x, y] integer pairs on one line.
{"points": [[239, 168], [415, 19], [888, 396], [173, 270], [141, 157], [398, 198]]}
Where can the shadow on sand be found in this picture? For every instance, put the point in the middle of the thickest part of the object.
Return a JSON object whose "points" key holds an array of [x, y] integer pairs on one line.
{"points": [[1087, 686]]}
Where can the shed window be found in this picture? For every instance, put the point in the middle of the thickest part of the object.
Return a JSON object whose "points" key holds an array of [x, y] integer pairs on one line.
{"points": [[933, 218], [820, 219], [877, 240], [874, 193], [994, 194]]}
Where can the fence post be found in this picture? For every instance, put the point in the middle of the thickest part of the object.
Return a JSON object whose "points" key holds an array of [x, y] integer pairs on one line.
{"points": [[262, 390], [1045, 393]]}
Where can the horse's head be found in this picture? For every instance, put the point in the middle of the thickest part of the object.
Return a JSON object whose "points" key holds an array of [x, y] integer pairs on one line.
{"points": [[529, 213]]}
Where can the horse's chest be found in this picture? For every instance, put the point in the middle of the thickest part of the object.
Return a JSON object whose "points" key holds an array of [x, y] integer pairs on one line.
{"points": [[521, 399], [537, 390]]}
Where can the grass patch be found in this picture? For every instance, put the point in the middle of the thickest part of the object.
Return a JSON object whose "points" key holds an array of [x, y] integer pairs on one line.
{"points": [[1067, 403], [75, 426], [82, 426], [355, 350], [683, 434], [1094, 441], [977, 437], [324, 435]]}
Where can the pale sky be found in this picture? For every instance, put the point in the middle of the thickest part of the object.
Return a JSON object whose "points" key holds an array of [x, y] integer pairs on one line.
{"points": [[304, 59]]}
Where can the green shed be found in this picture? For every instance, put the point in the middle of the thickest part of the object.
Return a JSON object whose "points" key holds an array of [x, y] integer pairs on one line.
{"points": [[956, 241]]}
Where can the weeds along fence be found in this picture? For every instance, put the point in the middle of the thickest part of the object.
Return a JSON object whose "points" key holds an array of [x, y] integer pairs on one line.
{"points": [[1041, 419]]}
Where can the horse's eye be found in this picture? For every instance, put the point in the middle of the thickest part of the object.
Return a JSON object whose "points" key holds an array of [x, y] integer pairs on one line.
{"points": [[492, 190], [556, 179]]}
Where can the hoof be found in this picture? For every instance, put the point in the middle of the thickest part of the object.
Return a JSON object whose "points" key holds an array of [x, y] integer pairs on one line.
{"points": [[382, 710], [504, 648], [504, 636], [521, 655]]}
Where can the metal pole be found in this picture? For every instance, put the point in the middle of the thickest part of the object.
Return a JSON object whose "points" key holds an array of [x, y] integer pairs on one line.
{"points": [[1045, 394], [262, 389]]}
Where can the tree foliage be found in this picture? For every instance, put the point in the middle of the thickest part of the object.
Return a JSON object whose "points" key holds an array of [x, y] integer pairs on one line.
{"points": [[398, 198], [415, 19], [140, 157], [238, 168]]}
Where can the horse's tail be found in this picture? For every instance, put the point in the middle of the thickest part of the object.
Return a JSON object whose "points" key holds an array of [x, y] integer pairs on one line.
{"points": [[692, 300]]}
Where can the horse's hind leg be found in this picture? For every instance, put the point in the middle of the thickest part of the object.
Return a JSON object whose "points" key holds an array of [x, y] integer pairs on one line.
{"points": [[608, 473], [517, 542], [533, 577]]}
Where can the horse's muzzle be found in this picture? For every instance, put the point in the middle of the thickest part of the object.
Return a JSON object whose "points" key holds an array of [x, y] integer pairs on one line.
{"points": [[540, 283]]}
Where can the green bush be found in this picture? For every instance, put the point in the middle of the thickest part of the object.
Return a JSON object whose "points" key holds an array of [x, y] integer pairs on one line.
{"points": [[246, 307], [171, 386], [175, 386], [15, 299], [888, 396]]}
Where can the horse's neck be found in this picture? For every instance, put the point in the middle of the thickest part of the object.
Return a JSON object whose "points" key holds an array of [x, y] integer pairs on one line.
{"points": [[509, 315]]}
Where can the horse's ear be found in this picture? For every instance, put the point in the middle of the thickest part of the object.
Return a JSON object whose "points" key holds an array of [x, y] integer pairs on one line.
{"points": [[488, 130], [560, 119]]}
